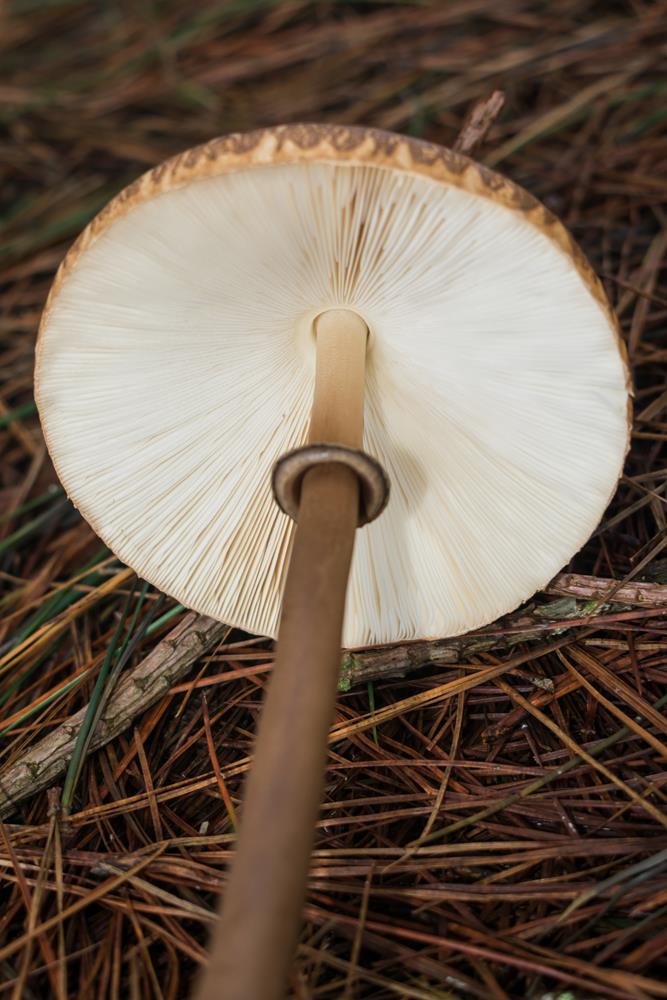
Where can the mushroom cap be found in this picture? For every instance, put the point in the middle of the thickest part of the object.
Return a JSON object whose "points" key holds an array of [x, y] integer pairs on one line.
{"points": [[175, 365]]}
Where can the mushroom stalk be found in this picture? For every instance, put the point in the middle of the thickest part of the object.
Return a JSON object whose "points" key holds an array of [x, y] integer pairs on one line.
{"points": [[254, 942]]}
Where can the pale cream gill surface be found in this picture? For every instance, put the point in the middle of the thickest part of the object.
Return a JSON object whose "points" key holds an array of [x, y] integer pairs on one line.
{"points": [[176, 365]]}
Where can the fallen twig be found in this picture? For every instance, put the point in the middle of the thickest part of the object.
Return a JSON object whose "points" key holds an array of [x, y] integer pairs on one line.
{"points": [[149, 681], [478, 122], [196, 634]]}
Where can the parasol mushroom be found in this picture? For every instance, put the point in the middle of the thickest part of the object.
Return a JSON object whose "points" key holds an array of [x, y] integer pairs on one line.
{"points": [[443, 317]]}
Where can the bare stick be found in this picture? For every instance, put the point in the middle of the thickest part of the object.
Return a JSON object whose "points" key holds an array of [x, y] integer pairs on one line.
{"points": [[478, 122], [43, 763], [150, 680]]}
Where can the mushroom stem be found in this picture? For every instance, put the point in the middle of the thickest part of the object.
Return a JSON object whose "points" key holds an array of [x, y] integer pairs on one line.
{"points": [[254, 942], [337, 416]]}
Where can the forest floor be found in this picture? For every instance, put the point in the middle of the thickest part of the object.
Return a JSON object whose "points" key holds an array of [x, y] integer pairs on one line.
{"points": [[495, 822]]}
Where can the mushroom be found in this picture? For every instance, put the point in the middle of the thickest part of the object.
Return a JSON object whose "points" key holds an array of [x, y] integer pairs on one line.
{"points": [[445, 319]]}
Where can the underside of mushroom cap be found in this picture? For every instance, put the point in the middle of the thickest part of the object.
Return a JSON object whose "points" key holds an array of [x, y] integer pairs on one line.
{"points": [[176, 364]]}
